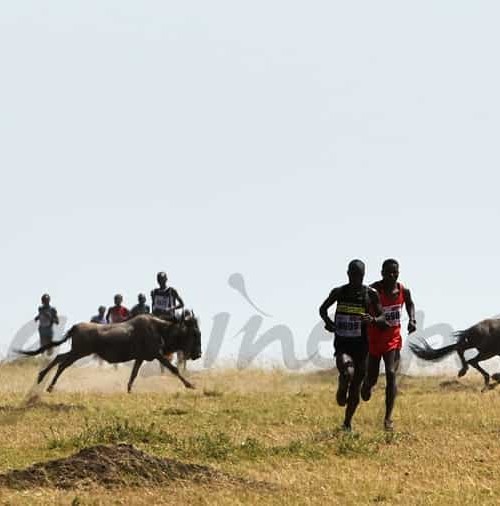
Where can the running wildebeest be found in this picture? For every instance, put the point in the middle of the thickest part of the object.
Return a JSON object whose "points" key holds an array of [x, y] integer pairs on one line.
{"points": [[141, 338], [484, 336]]}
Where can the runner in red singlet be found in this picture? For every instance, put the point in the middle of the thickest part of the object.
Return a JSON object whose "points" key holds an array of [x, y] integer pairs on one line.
{"points": [[387, 343], [117, 313]]}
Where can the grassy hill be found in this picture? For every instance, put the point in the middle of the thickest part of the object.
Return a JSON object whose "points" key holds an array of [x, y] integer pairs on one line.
{"points": [[263, 436]]}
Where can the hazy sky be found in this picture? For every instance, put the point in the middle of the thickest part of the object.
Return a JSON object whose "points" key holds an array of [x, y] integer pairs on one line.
{"points": [[277, 139]]}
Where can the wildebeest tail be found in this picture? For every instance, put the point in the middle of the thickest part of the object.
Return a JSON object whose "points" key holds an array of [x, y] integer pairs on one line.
{"points": [[48, 346], [426, 352]]}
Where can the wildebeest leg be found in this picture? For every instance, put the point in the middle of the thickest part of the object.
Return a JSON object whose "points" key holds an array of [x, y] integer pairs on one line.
{"points": [[181, 361], [174, 370], [63, 365], [465, 367], [496, 376], [474, 362], [46, 369], [135, 370], [169, 357]]}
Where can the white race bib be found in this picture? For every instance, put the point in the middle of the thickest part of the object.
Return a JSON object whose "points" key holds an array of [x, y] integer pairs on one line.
{"points": [[161, 302], [393, 315], [348, 325]]}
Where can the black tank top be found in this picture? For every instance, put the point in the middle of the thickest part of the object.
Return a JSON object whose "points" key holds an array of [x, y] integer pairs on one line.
{"points": [[351, 305], [163, 299]]}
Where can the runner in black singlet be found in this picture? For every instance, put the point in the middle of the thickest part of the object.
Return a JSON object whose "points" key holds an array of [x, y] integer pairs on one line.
{"points": [[165, 300], [354, 301]]}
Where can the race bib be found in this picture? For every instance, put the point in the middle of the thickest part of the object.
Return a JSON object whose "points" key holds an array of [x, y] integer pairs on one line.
{"points": [[393, 315], [161, 302], [348, 325]]}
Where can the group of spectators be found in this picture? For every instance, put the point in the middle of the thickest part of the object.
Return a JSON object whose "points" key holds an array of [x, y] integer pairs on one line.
{"points": [[165, 301]]}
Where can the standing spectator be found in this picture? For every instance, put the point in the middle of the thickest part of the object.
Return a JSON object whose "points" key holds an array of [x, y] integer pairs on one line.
{"points": [[46, 318], [141, 307], [100, 317]]}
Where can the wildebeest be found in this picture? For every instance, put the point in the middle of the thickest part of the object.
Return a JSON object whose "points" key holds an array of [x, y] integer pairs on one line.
{"points": [[141, 338], [484, 336]]}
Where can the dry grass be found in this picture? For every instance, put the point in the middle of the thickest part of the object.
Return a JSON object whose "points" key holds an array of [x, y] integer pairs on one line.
{"points": [[257, 426]]}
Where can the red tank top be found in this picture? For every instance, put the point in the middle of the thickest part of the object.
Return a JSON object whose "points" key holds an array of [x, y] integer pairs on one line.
{"points": [[384, 340], [118, 314]]}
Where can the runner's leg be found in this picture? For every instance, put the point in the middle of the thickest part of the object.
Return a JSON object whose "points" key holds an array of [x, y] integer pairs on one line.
{"points": [[354, 388], [371, 378], [391, 361], [345, 366]]}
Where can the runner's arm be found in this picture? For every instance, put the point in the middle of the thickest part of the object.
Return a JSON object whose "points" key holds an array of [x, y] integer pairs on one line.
{"points": [[410, 309], [177, 297], [323, 310], [379, 318]]}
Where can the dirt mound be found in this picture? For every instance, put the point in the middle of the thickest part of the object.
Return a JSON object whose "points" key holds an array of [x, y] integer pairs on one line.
{"points": [[115, 466]]}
